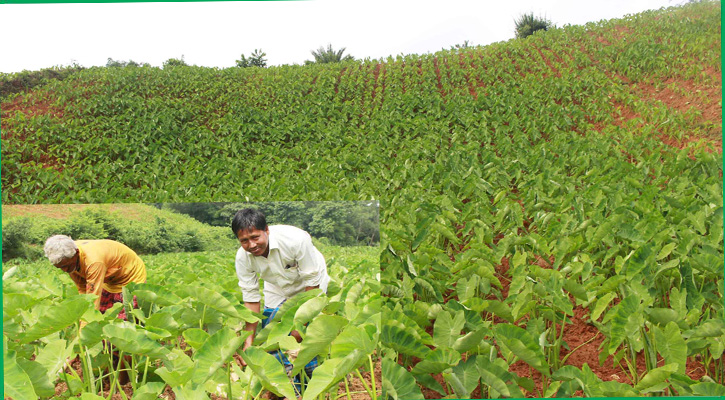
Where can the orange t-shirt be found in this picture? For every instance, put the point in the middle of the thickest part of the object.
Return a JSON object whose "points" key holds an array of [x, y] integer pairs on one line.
{"points": [[106, 264]]}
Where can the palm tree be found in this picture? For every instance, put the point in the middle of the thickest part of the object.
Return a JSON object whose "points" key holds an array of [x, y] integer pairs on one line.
{"points": [[527, 24], [329, 55]]}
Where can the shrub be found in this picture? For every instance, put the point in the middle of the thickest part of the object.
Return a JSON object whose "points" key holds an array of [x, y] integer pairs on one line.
{"points": [[15, 236], [26, 80], [175, 62], [527, 24]]}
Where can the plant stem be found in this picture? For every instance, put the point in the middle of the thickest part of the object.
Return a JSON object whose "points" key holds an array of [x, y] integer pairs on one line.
{"points": [[365, 385], [259, 394], [347, 390], [372, 377], [145, 371], [229, 379], [249, 388], [563, 361], [85, 365], [203, 315]]}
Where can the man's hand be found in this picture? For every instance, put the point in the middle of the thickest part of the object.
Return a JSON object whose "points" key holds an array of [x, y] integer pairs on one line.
{"points": [[251, 327]]}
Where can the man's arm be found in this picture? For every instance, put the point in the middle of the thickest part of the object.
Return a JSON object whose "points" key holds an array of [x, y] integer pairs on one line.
{"points": [[250, 326]]}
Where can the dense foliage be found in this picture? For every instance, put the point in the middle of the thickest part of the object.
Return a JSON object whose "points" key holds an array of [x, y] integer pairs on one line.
{"points": [[343, 130], [27, 80], [190, 311], [519, 182]]}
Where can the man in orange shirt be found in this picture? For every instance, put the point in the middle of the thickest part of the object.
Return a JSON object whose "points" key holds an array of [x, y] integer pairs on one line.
{"points": [[100, 267]]}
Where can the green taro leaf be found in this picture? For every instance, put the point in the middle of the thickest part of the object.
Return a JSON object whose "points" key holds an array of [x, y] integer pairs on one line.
{"points": [[656, 380], [447, 329], [350, 340], [523, 345], [620, 316], [269, 371], [398, 383], [671, 345], [493, 375], [320, 334], [38, 375], [178, 369], [13, 303], [466, 375], [149, 391], [470, 340], [132, 340], [58, 317], [216, 301], [92, 333], [17, 383], [195, 337], [331, 372], [437, 361], [429, 382], [309, 310], [216, 350], [53, 356], [158, 294], [708, 389]]}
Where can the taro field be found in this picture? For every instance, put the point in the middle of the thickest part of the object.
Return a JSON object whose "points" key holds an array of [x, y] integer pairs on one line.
{"points": [[188, 335], [552, 221]]}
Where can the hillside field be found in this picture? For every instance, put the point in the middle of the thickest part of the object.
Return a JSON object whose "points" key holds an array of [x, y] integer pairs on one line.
{"points": [[551, 207]]}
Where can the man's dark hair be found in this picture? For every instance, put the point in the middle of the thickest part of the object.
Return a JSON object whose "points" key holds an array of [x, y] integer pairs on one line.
{"points": [[248, 219]]}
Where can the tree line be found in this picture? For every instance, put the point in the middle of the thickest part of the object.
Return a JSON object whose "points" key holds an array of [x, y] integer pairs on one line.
{"points": [[340, 223]]}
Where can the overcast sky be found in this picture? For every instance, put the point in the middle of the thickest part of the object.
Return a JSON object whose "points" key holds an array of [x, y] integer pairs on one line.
{"points": [[215, 34]]}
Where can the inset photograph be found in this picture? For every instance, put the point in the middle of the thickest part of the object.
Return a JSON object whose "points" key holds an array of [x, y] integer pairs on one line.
{"points": [[192, 300]]}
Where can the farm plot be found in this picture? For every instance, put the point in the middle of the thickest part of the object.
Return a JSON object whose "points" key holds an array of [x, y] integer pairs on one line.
{"points": [[552, 207], [186, 338]]}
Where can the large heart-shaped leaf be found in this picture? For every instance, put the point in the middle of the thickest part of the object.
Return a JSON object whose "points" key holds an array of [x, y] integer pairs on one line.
{"points": [[398, 383], [402, 341], [53, 356], [178, 369], [269, 371], [131, 340], [58, 317], [216, 350], [17, 383], [523, 345], [331, 372], [320, 334]]}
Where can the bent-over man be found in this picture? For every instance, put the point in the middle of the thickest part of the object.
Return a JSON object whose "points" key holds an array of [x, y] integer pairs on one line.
{"points": [[99, 267], [285, 258]]}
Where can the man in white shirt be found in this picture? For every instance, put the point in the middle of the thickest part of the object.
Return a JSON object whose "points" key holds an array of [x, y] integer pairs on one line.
{"points": [[281, 255]]}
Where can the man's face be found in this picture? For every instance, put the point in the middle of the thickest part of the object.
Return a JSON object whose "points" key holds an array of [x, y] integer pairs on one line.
{"points": [[255, 241], [69, 264]]}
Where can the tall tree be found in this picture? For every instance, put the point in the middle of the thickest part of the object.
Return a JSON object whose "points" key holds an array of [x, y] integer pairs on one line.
{"points": [[256, 59], [329, 55]]}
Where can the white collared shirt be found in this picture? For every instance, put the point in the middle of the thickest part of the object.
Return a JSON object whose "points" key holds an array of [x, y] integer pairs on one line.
{"points": [[292, 264]]}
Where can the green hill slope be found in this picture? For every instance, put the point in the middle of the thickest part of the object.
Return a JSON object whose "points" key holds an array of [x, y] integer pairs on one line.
{"points": [[342, 131], [551, 213]]}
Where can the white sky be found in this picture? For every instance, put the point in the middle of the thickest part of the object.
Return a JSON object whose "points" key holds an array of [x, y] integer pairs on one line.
{"points": [[215, 34]]}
